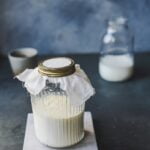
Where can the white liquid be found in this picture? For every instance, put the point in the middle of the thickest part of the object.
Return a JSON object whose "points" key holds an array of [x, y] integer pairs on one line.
{"points": [[57, 123], [116, 67]]}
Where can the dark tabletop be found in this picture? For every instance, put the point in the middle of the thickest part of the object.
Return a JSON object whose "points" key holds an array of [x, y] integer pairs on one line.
{"points": [[121, 111]]}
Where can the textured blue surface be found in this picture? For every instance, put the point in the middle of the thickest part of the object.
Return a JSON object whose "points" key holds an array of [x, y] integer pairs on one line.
{"points": [[121, 111], [68, 26]]}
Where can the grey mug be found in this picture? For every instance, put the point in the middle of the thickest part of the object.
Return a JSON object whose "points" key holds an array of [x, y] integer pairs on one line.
{"points": [[22, 58]]}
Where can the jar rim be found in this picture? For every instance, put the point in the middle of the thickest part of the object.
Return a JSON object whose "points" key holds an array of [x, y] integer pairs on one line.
{"points": [[57, 72]]}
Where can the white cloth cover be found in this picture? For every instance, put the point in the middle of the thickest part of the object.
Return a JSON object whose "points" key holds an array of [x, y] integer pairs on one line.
{"points": [[77, 85]]}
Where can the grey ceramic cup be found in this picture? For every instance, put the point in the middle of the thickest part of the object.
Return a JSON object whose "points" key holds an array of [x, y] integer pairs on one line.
{"points": [[23, 58]]}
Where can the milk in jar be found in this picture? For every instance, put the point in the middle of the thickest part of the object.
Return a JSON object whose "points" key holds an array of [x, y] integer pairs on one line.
{"points": [[116, 67], [57, 122]]}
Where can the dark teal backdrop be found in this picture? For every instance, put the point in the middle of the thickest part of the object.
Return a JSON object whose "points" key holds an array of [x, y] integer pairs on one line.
{"points": [[68, 26]]}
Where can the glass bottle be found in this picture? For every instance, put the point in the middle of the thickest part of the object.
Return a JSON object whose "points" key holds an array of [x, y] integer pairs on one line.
{"points": [[116, 55]]}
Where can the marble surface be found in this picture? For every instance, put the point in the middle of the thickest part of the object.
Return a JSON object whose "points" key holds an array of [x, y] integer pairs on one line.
{"points": [[68, 26], [121, 111], [88, 143]]}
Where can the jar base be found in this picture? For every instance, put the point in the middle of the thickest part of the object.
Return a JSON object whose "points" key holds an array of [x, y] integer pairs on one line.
{"points": [[61, 147]]}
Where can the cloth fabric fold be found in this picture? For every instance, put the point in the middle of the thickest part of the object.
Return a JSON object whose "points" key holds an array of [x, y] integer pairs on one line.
{"points": [[77, 86]]}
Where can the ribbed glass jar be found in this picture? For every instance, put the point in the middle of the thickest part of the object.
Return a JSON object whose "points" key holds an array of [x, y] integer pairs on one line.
{"points": [[57, 122]]}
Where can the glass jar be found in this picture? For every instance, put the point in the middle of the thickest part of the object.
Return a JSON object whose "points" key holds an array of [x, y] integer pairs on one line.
{"points": [[116, 55], [58, 123]]}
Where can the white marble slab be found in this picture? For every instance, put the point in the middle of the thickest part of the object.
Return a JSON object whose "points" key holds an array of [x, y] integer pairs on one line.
{"points": [[88, 143]]}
